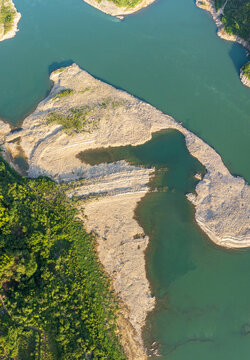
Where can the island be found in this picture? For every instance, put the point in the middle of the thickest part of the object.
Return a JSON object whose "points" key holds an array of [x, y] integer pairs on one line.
{"points": [[9, 18], [119, 8], [83, 113], [232, 18]]}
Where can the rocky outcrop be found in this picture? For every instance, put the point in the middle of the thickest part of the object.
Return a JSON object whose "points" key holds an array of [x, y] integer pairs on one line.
{"points": [[12, 32], [244, 79], [109, 7], [112, 117]]}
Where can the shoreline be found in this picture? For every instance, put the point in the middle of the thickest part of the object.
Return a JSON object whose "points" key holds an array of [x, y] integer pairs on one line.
{"points": [[116, 118], [109, 8], [12, 33], [209, 6]]}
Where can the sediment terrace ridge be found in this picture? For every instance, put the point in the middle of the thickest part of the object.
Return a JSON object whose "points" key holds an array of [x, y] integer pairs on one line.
{"points": [[116, 118], [110, 8]]}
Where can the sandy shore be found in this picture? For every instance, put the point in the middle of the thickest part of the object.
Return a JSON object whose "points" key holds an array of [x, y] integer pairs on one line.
{"points": [[115, 118], [113, 193], [10, 34], [108, 7], [209, 6]]}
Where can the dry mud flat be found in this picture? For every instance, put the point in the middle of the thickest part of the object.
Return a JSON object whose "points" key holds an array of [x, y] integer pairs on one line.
{"points": [[115, 118]]}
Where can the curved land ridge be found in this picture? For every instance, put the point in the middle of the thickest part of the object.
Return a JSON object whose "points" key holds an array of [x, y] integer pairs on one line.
{"points": [[83, 113], [9, 18], [111, 8], [209, 5]]}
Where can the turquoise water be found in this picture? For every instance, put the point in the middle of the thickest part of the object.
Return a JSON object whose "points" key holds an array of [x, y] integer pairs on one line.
{"points": [[170, 56], [202, 291]]}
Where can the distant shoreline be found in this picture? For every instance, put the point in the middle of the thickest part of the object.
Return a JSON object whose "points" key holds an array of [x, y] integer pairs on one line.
{"points": [[209, 6], [12, 33], [108, 7]]}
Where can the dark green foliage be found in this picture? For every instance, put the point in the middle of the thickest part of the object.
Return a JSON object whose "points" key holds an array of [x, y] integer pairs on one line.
{"points": [[55, 300], [236, 18], [246, 69]]}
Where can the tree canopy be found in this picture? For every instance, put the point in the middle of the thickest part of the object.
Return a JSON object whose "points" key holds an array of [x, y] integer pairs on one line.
{"points": [[56, 302]]}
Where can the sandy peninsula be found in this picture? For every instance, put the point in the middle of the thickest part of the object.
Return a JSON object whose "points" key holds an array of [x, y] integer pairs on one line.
{"points": [[10, 34], [110, 8], [112, 191]]}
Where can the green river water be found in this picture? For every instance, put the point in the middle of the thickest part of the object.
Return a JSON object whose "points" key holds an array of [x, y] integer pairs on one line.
{"points": [[168, 55]]}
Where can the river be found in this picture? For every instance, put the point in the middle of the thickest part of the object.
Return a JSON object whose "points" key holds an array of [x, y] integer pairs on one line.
{"points": [[170, 56]]}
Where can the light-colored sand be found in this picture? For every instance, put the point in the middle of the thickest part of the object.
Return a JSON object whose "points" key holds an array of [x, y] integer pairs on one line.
{"points": [[108, 7], [10, 34], [222, 201], [113, 194]]}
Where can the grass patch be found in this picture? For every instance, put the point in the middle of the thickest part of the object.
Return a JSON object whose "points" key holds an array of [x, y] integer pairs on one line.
{"points": [[74, 121], [84, 118], [123, 3], [63, 93], [7, 14]]}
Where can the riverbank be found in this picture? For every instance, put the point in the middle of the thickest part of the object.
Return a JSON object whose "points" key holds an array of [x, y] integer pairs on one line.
{"points": [[83, 113], [209, 6], [4, 35], [110, 8]]}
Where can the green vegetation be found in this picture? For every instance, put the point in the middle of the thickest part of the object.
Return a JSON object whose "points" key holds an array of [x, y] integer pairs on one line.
{"points": [[236, 17], [84, 118], [74, 121], [246, 69], [67, 92], [7, 14], [124, 3], [55, 301], [63, 93]]}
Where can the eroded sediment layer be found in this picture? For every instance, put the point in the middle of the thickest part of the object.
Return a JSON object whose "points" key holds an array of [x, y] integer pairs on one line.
{"points": [[113, 118], [12, 32], [109, 7], [121, 241]]}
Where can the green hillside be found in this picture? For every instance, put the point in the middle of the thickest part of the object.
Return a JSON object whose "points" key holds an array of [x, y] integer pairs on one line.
{"points": [[55, 301]]}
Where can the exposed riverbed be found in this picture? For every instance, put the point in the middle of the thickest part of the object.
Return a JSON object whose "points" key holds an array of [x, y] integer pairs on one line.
{"points": [[167, 58]]}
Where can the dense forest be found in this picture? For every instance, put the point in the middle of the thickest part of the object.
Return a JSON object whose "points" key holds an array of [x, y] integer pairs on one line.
{"points": [[55, 300], [236, 21], [236, 17]]}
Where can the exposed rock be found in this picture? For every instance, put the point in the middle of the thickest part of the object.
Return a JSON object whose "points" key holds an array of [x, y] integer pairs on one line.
{"points": [[244, 79], [115, 118]]}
